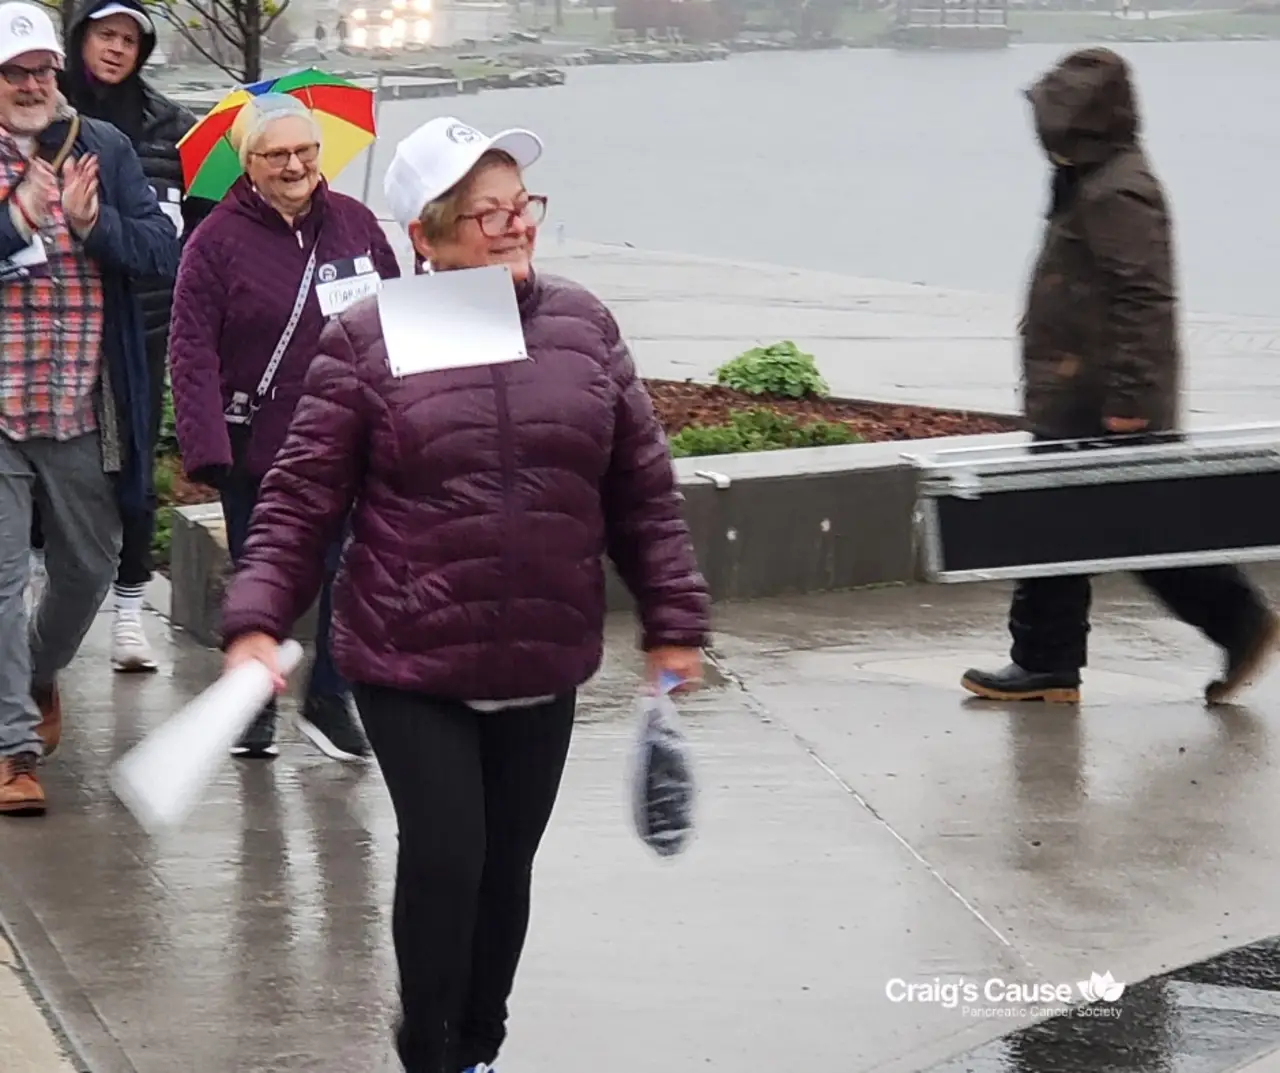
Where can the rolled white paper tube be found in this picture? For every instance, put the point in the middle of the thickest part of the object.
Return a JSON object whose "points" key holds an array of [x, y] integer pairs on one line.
{"points": [[162, 778]]}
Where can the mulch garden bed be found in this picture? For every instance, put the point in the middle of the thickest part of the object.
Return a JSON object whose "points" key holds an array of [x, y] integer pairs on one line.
{"points": [[680, 404], [185, 493]]}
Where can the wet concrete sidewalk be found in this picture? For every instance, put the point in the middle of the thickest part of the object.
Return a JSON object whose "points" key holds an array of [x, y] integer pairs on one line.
{"points": [[861, 821], [28, 1041]]}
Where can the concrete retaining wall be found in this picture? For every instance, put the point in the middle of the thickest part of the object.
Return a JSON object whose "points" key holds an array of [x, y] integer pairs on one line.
{"points": [[764, 524]]}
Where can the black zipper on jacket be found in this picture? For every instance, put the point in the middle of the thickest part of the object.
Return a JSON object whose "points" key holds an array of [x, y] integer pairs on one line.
{"points": [[507, 453]]}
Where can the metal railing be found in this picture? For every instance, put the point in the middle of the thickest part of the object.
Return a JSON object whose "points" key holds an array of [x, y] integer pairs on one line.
{"points": [[946, 15]]}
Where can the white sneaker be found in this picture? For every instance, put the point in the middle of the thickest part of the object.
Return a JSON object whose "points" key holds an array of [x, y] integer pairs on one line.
{"points": [[130, 650]]}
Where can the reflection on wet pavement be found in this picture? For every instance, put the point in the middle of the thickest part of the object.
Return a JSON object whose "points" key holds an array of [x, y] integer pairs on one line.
{"points": [[1210, 1016], [860, 820]]}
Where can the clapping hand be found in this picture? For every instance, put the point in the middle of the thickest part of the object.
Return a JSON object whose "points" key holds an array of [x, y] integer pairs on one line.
{"points": [[80, 193], [36, 192]]}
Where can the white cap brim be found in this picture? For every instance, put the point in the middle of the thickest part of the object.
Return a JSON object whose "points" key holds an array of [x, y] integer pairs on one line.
{"points": [[107, 10], [409, 191], [524, 146]]}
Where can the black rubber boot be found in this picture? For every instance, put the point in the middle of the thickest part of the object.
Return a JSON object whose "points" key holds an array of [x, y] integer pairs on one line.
{"points": [[1246, 662], [1014, 683]]}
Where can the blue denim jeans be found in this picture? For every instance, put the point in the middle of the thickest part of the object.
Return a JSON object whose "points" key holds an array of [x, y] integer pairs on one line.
{"points": [[239, 496]]}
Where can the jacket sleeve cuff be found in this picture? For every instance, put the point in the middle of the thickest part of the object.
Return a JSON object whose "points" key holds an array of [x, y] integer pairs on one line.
{"points": [[237, 626], [667, 638]]}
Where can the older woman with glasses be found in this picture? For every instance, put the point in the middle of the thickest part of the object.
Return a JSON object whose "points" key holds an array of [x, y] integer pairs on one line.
{"points": [[275, 261], [470, 603]]}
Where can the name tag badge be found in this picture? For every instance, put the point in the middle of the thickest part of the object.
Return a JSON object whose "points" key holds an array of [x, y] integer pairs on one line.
{"points": [[340, 284], [30, 261]]}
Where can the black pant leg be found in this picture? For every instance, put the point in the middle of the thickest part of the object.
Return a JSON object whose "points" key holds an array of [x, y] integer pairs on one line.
{"points": [[523, 752], [239, 495], [430, 755], [1219, 601], [139, 527], [1049, 621]]}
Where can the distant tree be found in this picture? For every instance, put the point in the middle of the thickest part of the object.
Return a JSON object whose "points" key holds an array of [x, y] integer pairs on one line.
{"points": [[228, 33], [66, 12]]}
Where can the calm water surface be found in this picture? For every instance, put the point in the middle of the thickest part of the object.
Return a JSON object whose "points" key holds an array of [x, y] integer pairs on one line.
{"points": [[912, 167]]}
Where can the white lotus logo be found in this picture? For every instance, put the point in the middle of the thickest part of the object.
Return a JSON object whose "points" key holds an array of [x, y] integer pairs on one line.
{"points": [[1104, 988]]}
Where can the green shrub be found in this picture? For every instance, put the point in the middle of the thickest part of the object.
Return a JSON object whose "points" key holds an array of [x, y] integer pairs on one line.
{"points": [[167, 444], [163, 478], [781, 370], [162, 537], [758, 430]]}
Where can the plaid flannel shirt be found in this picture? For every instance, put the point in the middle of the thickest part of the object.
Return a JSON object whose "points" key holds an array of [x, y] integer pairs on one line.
{"points": [[50, 329]]}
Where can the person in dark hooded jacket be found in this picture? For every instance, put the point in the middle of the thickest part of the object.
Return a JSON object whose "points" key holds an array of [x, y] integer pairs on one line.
{"points": [[1101, 357], [108, 42]]}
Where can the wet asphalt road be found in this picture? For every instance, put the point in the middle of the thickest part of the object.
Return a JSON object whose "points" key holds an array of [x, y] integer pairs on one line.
{"points": [[860, 821]]}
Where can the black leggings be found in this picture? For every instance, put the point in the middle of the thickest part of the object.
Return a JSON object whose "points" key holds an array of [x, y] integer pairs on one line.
{"points": [[472, 792], [139, 529]]}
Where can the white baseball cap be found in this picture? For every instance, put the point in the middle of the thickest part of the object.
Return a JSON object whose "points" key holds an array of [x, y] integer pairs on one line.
{"points": [[107, 10], [432, 160], [26, 28]]}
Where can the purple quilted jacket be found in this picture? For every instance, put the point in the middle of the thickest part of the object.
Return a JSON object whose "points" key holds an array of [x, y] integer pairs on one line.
{"points": [[236, 287], [482, 501]]}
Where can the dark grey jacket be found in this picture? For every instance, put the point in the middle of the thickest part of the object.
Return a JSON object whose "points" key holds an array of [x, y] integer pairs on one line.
{"points": [[154, 124]]}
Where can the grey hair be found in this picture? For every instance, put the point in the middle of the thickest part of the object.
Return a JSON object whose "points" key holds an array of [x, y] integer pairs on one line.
{"points": [[259, 113]]}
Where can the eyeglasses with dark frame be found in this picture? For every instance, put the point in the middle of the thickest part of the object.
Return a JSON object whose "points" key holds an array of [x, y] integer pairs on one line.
{"points": [[279, 158], [16, 75], [495, 223]]}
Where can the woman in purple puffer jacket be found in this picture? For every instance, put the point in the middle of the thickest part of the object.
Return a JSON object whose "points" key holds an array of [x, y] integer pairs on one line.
{"points": [[469, 606], [281, 245]]}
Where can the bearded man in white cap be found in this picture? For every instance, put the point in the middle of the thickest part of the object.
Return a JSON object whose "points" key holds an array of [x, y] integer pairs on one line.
{"points": [[78, 223]]}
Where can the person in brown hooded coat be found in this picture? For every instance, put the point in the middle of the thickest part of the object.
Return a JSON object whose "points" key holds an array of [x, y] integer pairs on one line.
{"points": [[1101, 356]]}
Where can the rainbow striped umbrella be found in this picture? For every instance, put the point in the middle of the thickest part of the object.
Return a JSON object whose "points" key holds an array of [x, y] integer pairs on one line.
{"points": [[343, 110]]}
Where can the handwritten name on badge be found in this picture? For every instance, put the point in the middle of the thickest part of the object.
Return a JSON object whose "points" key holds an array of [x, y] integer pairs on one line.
{"points": [[343, 283], [339, 295]]}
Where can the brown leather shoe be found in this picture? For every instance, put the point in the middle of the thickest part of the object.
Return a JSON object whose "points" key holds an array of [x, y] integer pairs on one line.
{"points": [[50, 705], [20, 791]]}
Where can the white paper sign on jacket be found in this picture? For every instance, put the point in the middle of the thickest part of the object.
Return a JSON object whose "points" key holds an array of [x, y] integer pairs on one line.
{"points": [[451, 320]]}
